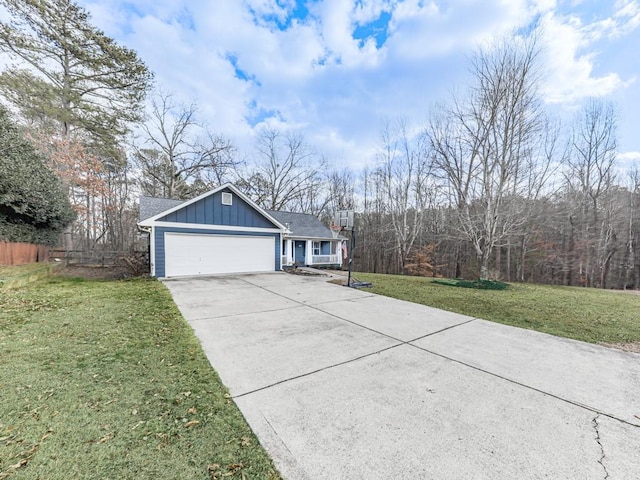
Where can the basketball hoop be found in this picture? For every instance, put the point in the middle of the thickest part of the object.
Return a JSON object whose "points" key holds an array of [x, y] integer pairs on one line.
{"points": [[344, 219]]}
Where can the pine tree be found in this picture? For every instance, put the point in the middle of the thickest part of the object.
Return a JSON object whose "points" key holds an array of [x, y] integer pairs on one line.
{"points": [[70, 75]]}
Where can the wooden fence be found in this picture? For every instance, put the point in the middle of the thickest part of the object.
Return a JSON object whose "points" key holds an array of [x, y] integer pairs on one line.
{"points": [[16, 253], [98, 258], [94, 258]]}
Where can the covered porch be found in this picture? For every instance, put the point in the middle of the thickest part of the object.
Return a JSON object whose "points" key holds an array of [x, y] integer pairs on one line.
{"points": [[311, 252]]}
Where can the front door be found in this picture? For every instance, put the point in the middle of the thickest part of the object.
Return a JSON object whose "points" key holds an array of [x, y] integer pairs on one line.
{"points": [[299, 252]]}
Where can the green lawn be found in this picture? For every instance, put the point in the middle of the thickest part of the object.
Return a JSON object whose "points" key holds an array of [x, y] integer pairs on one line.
{"points": [[105, 380], [585, 314]]}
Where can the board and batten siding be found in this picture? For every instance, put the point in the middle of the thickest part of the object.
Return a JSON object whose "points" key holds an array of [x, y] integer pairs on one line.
{"points": [[160, 263], [211, 211]]}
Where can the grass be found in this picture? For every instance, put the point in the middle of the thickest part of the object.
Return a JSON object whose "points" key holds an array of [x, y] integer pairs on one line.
{"points": [[105, 380], [585, 314], [16, 277], [479, 284]]}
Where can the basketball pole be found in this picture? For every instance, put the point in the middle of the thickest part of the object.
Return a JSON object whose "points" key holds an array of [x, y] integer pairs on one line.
{"points": [[344, 219], [351, 247]]}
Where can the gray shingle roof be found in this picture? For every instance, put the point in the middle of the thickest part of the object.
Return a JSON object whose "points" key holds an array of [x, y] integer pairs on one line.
{"points": [[150, 206], [302, 224]]}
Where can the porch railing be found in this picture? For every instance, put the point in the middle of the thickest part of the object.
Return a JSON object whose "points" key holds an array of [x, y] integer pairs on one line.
{"points": [[327, 259]]}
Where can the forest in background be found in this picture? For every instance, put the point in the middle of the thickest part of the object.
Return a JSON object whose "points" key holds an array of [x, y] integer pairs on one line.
{"points": [[492, 186]]}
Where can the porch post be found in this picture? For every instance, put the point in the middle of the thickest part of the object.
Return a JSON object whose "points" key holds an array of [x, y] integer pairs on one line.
{"points": [[309, 253], [290, 254]]}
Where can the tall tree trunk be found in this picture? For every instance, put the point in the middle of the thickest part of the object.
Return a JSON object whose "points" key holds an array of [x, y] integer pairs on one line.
{"points": [[509, 260], [570, 256]]}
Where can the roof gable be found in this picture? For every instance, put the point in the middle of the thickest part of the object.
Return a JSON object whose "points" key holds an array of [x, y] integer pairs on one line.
{"points": [[207, 209]]}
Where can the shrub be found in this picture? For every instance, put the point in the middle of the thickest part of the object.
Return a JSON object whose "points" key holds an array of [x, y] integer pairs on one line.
{"points": [[479, 284]]}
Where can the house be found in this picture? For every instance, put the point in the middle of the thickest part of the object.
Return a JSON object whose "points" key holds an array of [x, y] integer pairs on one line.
{"points": [[223, 231], [308, 241]]}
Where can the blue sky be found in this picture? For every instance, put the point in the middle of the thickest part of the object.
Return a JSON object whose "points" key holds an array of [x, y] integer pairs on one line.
{"points": [[336, 70]]}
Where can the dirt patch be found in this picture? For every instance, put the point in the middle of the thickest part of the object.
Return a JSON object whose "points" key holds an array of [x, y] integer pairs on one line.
{"points": [[342, 273], [305, 272], [95, 272], [627, 347]]}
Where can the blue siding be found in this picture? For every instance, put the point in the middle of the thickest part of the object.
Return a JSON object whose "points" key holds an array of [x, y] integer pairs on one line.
{"points": [[159, 243], [210, 211], [325, 248]]}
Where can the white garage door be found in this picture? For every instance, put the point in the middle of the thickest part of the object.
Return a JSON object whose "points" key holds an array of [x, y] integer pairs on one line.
{"points": [[187, 254]]}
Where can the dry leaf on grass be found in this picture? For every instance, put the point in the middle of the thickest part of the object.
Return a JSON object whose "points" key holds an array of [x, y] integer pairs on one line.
{"points": [[106, 438], [234, 467]]}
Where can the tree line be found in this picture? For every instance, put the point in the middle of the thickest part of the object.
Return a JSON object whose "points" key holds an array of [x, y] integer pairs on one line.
{"points": [[77, 97], [492, 186]]}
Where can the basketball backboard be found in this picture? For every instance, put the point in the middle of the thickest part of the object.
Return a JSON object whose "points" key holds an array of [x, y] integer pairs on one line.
{"points": [[344, 219]]}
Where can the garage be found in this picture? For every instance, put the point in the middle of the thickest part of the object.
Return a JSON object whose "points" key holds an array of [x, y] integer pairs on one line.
{"points": [[219, 232], [205, 254]]}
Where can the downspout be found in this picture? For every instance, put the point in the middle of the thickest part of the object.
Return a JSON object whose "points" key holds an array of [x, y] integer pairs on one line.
{"points": [[148, 230]]}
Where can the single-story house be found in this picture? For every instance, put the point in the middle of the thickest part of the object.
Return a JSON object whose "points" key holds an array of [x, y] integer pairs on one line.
{"points": [[223, 231], [307, 241]]}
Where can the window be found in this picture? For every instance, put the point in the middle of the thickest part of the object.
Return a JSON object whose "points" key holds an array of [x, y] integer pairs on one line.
{"points": [[227, 198], [316, 248]]}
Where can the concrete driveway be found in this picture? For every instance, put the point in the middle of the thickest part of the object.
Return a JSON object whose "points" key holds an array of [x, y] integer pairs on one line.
{"points": [[339, 383]]}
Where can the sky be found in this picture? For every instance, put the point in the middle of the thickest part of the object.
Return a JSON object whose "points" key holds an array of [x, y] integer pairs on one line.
{"points": [[336, 70]]}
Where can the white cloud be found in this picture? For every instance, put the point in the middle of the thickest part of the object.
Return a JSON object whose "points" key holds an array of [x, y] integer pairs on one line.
{"points": [[369, 10], [316, 78], [270, 8], [628, 14], [627, 164], [629, 156], [422, 30], [570, 63], [624, 19]]}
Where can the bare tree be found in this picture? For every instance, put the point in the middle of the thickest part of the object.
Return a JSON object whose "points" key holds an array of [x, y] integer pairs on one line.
{"points": [[484, 146], [403, 176], [590, 174], [632, 261], [285, 175], [373, 229], [341, 185], [180, 158]]}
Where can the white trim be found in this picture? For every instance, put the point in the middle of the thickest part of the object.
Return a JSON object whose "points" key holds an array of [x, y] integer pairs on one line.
{"points": [[152, 252], [192, 234], [200, 226], [289, 249], [292, 245], [303, 237], [151, 220], [227, 198], [308, 253]]}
